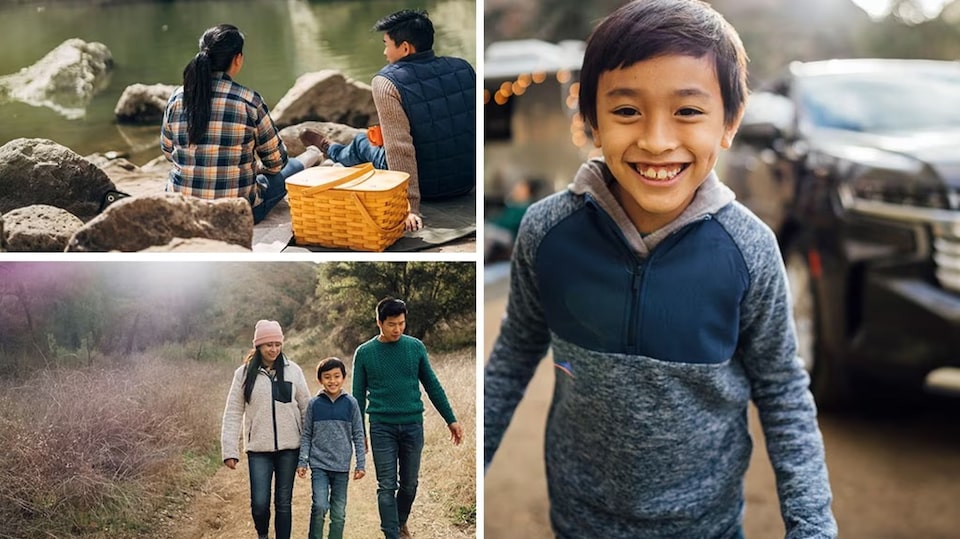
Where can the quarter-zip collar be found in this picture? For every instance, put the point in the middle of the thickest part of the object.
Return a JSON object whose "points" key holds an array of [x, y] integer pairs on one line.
{"points": [[594, 179]]}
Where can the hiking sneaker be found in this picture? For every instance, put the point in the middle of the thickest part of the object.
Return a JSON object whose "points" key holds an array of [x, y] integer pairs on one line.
{"points": [[405, 533], [310, 137]]}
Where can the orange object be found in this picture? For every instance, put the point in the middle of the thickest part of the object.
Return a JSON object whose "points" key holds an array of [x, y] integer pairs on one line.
{"points": [[374, 135]]}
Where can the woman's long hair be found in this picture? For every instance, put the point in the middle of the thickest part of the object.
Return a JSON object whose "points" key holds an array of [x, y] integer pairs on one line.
{"points": [[254, 361], [218, 46]]}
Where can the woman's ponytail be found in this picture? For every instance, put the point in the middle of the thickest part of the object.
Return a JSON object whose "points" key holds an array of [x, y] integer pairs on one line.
{"points": [[196, 96], [218, 47]]}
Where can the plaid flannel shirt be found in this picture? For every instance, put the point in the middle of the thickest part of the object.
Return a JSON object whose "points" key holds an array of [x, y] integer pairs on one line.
{"points": [[224, 163]]}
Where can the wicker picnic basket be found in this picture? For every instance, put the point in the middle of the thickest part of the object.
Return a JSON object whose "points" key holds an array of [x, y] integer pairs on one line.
{"points": [[359, 208]]}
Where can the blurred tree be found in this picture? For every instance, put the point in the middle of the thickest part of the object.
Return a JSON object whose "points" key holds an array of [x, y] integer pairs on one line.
{"points": [[437, 295]]}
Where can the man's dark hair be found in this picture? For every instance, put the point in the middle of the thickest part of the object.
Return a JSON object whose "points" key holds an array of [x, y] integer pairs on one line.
{"points": [[390, 307], [644, 29], [329, 364], [410, 25]]}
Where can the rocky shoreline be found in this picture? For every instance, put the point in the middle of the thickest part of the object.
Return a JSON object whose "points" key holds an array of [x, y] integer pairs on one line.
{"points": [[52, 199]]}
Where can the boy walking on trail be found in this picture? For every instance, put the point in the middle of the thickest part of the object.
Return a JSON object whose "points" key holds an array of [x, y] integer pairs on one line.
{"points": [[664, 301], [387, 372], [332, 431]]}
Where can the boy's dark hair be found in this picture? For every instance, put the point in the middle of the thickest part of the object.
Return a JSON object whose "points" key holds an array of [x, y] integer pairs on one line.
{"points": [[390, 307], [644, 29], [410, 25], [329, 364]]}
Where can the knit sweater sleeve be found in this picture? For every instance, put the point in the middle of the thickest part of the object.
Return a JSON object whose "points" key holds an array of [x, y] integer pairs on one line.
{"points": [[232, 418], [523, 340], [397, 138], [432, 386], [779, 388], [360, 383]]}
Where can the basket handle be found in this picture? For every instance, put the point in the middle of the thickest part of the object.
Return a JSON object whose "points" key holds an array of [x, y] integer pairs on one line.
{"points": [[358, 171], [366, 216]]}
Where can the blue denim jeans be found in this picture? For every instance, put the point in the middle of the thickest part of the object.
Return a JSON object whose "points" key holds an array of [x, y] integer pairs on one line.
{"points": [[359, 151], [329, 493], [396, 455], [264, 467], [273, 188]]}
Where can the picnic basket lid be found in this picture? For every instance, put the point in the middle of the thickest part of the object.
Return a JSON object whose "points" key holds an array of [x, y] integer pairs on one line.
{"points": [[367, 178]]}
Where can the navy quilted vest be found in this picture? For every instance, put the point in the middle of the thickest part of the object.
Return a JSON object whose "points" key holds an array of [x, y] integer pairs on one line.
{"points": [[439, 97]]}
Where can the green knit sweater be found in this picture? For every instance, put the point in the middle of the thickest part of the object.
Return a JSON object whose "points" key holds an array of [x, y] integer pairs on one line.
{"points": [[387, 378]]}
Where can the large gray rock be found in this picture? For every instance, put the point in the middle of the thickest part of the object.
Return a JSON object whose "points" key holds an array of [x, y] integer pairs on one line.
{"points": [[65, 80], [40, 171], [326, 96], [340, 133], [136, 223], [39, 228], [143, 104], [2, 243]]}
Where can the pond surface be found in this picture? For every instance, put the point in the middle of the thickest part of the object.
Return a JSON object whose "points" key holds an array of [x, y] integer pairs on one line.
{"points": [[152, 42]]}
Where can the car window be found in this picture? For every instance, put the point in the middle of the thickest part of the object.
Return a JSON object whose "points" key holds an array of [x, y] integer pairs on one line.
{"points": [[880, 102]]}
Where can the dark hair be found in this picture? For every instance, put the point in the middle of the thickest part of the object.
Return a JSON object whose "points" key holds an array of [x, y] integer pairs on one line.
{"points": [[254, 361], [329, 364], [390, 307], [218, 46], [410, 25], [644, 29]]}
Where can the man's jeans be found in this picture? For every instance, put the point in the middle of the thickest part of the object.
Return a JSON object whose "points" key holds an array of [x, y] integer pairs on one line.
{"points": [[281, 466], [396, 454], [359, 151], [273, 188], [329, 493]]}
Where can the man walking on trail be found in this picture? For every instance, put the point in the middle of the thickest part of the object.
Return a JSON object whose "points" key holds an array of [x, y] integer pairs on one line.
{"points": [[387, 373]]}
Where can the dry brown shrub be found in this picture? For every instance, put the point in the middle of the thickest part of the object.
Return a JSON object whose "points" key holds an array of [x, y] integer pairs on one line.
{"points": [[97, 449]]}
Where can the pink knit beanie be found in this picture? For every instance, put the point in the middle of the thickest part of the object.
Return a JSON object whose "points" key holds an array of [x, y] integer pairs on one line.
{"points": [[267, 331]]}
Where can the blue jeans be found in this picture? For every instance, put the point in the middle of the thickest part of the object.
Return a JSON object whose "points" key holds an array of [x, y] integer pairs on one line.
{"points": [[273, 188], [359, 151], [329, 493], [396, 454], [281, 466]]}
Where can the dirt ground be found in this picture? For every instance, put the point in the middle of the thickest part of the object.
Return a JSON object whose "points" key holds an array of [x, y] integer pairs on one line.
{"points": [[894, 476], [221, 510]]}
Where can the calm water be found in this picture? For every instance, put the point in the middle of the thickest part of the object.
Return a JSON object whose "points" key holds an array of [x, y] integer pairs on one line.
{"points": [[152, 42]]}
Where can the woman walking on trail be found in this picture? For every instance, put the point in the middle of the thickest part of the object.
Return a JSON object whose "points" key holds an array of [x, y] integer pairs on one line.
{"points": [[214, 131], [269, 398]]}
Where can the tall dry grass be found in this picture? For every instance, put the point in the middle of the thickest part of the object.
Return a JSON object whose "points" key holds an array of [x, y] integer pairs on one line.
{"points": [[100, 450]]}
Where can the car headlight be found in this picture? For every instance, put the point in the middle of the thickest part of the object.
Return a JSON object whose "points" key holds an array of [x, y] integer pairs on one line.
{"points": [[897, 188]]}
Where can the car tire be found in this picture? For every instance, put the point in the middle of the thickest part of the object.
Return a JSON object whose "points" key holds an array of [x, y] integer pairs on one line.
{"points": [[829, 379]]}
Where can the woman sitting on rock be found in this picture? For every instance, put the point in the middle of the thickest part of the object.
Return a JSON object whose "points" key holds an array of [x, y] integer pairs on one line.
{"points": [[214, 130]]}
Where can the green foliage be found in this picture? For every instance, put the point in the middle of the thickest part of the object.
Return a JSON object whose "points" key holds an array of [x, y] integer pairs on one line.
{"points": [[440, 298], [465, 515]]}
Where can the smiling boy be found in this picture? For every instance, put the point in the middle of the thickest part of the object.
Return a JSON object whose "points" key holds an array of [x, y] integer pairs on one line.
{"points": [[664, 302], [332, 432]]}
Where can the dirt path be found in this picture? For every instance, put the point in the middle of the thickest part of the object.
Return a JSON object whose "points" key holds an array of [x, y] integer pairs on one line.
{"points": [[221, 510]]}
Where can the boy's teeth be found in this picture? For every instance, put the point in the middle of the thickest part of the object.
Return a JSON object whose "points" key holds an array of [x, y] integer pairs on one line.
{"points": [[659, 174]]}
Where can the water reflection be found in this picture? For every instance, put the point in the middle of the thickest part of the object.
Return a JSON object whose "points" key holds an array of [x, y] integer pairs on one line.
{"points": [[152, 42]]}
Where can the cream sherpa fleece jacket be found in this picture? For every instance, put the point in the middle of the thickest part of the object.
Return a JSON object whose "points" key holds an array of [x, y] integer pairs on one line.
{"points": [[269, 424]]}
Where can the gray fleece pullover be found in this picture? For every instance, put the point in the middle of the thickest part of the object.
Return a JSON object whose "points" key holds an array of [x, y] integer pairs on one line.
{"points": [[660, 343]]}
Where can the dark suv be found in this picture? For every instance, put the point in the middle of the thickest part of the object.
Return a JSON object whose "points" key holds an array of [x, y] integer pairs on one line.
{"points": [[855, 164]]}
